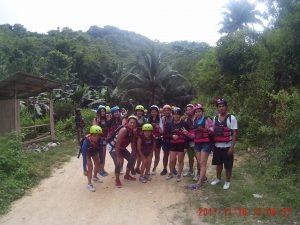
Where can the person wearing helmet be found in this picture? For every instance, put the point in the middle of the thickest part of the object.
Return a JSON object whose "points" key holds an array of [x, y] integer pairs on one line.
{"points": [[79, 123], [156, 121], [91, 153], [108, 112], [139, 112], [224, 138], [101, 120], [189, 119], [177, 132], [117, 146], [145, 148], [203, 128], [166, 120]]}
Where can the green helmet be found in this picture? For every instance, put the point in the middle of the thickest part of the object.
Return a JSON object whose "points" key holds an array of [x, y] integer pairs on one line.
{"points": [[147, 127], [107, 109], [139, 107], [95, 129]]}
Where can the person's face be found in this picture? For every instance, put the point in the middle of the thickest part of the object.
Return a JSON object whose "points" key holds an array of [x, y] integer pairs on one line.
{"points": [[117, 113], [102, 112], [131, 123], [189, 111], [147, 134], [139, 113], [222, 109], [153, 113], [176, 116], [167, 112], [198, 113], [95, 137]]}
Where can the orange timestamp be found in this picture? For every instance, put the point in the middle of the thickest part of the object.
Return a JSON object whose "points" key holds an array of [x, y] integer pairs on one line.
{"points": [[243, 212]]}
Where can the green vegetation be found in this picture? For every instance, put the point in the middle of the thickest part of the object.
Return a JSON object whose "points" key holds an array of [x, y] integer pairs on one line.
{"points": [[20, 170]]}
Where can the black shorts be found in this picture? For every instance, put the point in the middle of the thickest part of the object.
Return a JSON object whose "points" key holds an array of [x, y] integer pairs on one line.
{"points": [[221, 157], [166, 145], [177, 147], [158, 143]]}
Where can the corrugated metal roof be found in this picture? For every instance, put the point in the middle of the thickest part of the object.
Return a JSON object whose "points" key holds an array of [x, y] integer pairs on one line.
{"points": [[25, 85]]}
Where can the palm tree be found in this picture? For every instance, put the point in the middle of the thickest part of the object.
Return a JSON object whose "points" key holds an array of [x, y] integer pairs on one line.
{"points": [[152, 83], [238, 15]]}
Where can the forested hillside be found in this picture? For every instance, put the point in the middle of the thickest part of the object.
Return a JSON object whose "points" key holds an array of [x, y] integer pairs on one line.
{"points": [[257, 72]]}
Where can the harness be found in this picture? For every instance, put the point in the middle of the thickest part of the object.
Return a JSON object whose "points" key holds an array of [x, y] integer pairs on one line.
{"points": [[175, 129], [113, 139], [221, 132], [147, 144], [156, 132], [92, 149], [201, 133]]}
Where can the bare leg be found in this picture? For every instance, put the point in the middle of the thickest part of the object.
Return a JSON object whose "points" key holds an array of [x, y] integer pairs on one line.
{"points": [[157, 158], [172, 162], [203, 165], [180, 162]]}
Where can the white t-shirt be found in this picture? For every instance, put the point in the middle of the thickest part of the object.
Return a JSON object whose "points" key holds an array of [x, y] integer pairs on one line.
{"points": [[233, 125]]}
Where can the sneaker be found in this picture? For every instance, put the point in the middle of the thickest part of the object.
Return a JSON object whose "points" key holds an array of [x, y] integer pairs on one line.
{"points": [[118, 183], [128, 177], [175, 171], [142, 179], [97, 179], [170, 176], [103, 173], [148, 178], [196, 177], [91, 188], [187, 174], [215, 182], [226, 185], [178, 178], [164, 172]]}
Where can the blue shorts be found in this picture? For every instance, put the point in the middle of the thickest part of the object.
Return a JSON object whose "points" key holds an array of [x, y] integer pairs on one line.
{"points": [[202, 147]]}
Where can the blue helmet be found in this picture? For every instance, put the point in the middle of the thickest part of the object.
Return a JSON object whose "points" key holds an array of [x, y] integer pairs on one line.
{"points": [[114, 109]]}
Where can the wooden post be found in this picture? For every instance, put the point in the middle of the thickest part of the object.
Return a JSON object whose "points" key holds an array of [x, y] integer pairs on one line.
{"points": [[51, 120], [17, 113]]}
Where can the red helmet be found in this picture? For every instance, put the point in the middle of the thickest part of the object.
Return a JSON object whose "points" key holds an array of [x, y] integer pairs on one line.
{"points": [[198, 106]]}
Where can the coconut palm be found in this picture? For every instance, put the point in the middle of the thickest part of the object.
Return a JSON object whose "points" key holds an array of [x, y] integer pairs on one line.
{"points": [[150, 82], [238, 15]]}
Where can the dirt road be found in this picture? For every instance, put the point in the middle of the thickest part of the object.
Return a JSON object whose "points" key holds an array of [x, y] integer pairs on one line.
{"points": [[64, 199]]}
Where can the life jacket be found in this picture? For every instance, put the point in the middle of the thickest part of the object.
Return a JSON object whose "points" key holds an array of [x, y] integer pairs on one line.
{"points": [[156, 132], [112, 140], [147, 144], [139, 126], [92, 149], [166, 124], [103, 124], [175, 129], [222, 133], [201, 133], [114, 124]]}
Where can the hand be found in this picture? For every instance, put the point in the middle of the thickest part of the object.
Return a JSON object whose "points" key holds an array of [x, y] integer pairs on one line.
{"points": [[175, 137]]}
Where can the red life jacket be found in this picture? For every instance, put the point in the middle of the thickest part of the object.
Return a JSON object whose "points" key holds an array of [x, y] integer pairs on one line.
{"points": [[156, 132], [222, 134], [201, 133], [175, 129]]}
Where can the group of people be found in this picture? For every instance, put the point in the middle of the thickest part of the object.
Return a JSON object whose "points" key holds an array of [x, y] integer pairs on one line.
{"points": [[172, 129]]}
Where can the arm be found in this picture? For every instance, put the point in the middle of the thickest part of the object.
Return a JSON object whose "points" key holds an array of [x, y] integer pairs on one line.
{"points": [[234, 127], [84, 153], [94, 121]]}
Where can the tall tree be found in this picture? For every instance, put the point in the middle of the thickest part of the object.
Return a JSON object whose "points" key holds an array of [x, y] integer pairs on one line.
{"points": [[239, 14]]}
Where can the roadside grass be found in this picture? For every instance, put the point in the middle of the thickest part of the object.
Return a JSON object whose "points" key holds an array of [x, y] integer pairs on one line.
{"points": [[240, 204], [21, 170]]}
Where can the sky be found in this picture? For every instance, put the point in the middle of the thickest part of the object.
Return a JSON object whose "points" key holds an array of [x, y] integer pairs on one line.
{"points": [[162, 20]]}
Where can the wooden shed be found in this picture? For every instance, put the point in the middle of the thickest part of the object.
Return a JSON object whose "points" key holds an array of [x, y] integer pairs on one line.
{"points": [[21, 86]]}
